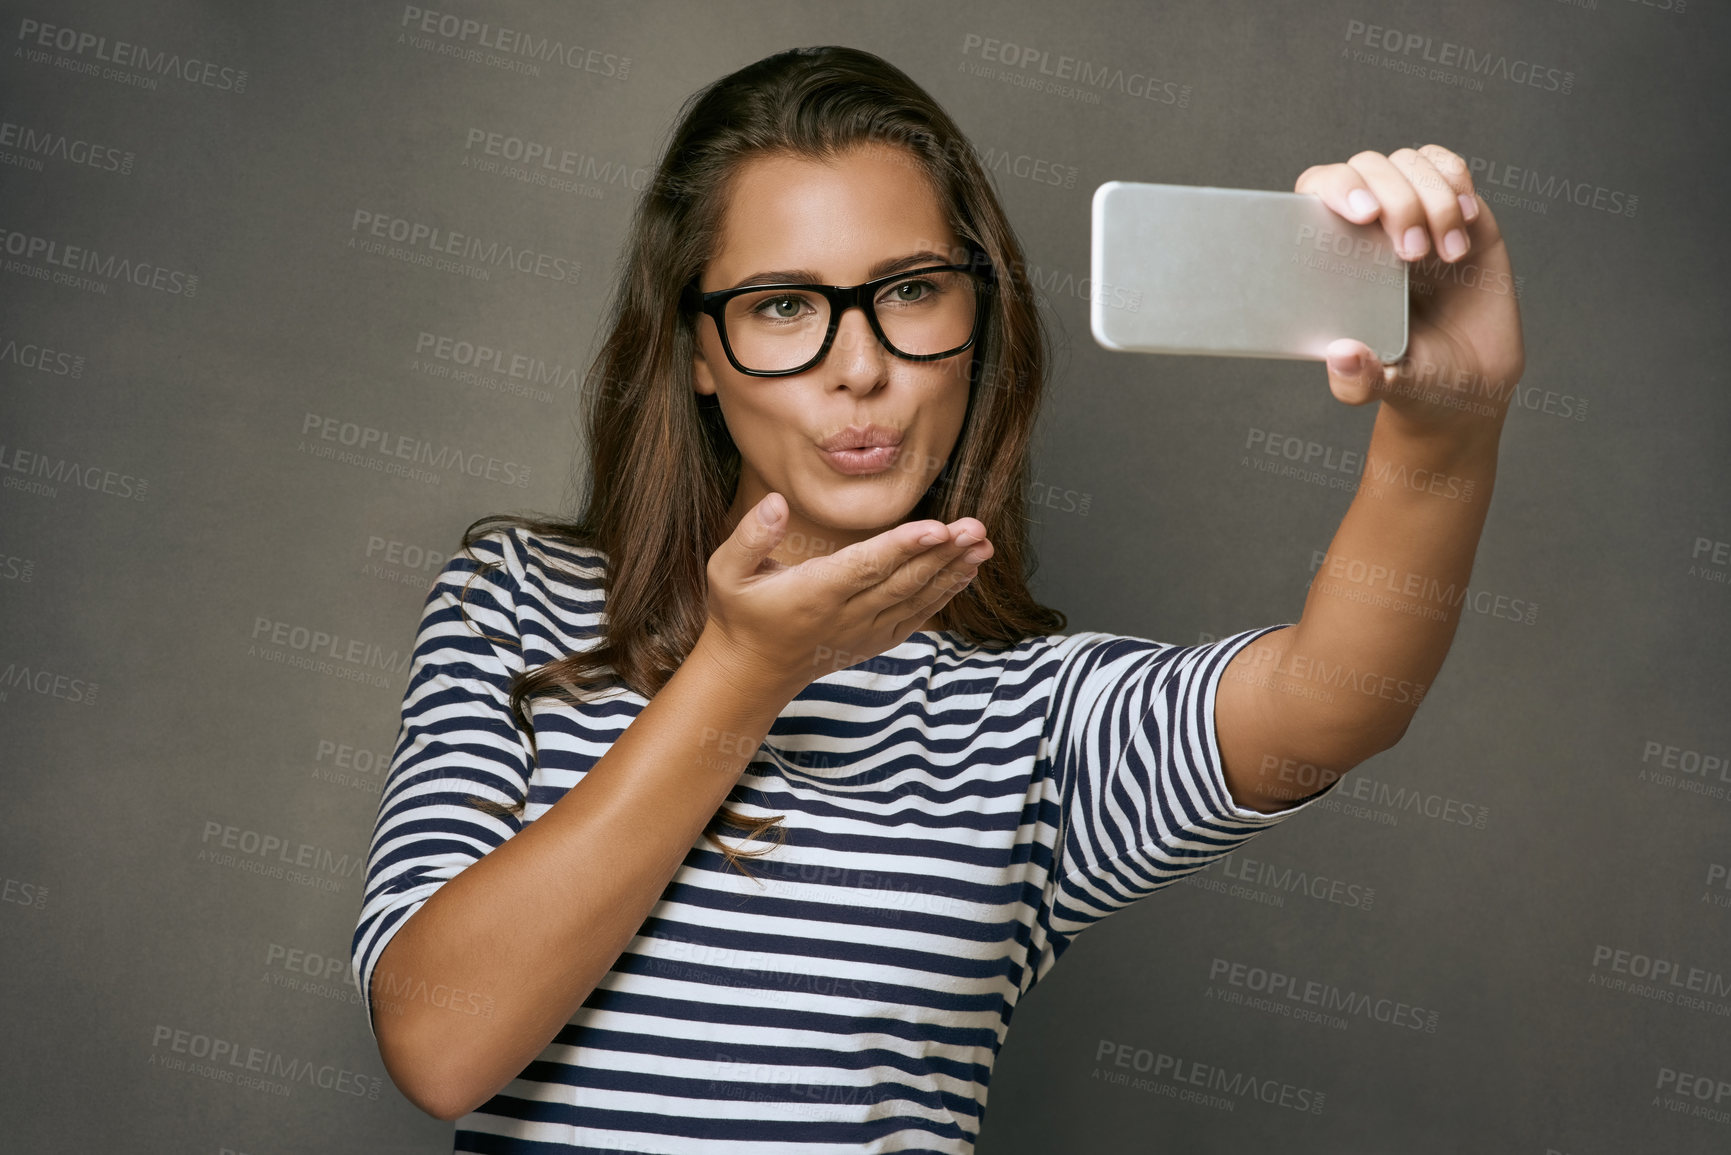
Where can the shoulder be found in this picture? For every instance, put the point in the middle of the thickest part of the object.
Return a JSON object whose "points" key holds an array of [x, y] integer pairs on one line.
{"points": [[1084, 665], [1087, 664], [553, 588], [1092, 648], [534, 562]]}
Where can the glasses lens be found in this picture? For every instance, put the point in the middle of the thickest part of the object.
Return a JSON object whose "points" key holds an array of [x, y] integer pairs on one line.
{"points": [[923, 314], [927, 313], [776, 329]]}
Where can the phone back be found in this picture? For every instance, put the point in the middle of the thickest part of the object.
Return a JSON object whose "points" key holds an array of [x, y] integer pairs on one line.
{"points": [[1239, 272]]}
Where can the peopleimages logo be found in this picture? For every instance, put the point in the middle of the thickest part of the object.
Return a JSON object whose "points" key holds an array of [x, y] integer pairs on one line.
{"points": [[41, 358], [1073, 70], [1446, 54], [429, 244], [1298, 881], [514, 46], [550, 160], [277, 849], [1495, 174], [37, 144], [1288, 994], [1419, 589], [1702, 1088], [36, 36], [352, 766], [38, 473], [260, 1068], [1694, 771], [362, 439], [268, 632], [29, 894], [1177, 1077], [483, 358], [1664, 973], [48, 683], [91, 263]]}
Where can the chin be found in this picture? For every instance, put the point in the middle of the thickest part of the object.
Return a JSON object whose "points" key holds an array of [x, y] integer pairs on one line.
{"points": [[870, 502]]}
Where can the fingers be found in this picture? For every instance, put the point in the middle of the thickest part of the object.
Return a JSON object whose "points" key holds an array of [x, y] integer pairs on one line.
{"points": [[1453, 170], [1402, 214], [895, 574], [865, 564], [1354, 371], [939, 585], [1441, 181], [905, 573], [942, 568], [756, 535], [1424, 197]]}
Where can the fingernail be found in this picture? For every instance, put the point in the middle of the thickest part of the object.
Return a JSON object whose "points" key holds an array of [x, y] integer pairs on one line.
{"points": [[974, 556], [1454, 243], [766, 514], [968, 537], [1469, 206], [1413, 242], [932, 538], [1345, 365], [1361, 202]]}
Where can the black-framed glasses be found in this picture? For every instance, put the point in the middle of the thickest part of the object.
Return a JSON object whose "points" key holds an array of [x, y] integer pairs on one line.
{"points": [[778, 330]]}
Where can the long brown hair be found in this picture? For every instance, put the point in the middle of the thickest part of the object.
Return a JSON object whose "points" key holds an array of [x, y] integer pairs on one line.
{"points": [[662, 467]]}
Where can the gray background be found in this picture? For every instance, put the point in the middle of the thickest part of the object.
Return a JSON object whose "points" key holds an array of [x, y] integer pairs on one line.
{"points": [[166, 516]]}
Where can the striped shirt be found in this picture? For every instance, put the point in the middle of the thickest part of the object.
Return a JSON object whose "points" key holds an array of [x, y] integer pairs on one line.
{"points": [[954, 816]]}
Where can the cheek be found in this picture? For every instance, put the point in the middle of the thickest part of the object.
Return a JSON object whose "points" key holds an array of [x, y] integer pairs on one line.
{"points": [[950, 396], [766, 433]]}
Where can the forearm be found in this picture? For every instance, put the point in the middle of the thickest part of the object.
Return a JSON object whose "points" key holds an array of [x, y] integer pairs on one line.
{"points": [[1344, 682], [537, 922]]}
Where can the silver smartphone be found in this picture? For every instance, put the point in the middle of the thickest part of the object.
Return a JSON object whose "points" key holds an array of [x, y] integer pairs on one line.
{"points": [[1238, 272]]}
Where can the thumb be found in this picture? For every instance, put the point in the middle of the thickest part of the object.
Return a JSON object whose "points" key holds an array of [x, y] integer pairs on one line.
{"points": [[759, 532], [1355, 372]]}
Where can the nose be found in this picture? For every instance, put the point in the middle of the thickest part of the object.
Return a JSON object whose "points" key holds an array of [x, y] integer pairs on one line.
{"points": [[856, 358]]}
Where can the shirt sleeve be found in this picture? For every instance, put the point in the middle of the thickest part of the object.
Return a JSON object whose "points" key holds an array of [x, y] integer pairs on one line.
{"points": [[1136, 772], [457, 740]]}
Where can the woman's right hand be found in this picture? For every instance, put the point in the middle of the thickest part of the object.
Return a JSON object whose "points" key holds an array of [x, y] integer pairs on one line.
{"points": [[792, 624]]}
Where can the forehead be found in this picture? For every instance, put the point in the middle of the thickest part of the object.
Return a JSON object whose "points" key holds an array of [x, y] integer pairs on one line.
{"points": [[836, 217]]}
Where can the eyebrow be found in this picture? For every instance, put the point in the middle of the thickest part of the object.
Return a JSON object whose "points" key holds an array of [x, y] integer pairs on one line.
{"points": [[807, 277]]}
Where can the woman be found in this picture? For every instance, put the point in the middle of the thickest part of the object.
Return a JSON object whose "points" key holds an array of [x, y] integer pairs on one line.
{"points": [[795, 608]]}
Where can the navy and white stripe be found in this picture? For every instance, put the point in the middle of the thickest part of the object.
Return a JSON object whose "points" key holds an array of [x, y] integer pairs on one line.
{"points": [[954, 817]]}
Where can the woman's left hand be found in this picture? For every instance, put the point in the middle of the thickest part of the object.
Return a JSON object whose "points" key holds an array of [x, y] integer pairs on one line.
{"points": [[1464, 352]]}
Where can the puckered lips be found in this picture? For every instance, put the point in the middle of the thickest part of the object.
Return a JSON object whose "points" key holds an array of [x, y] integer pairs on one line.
{"points": [[862, 449]]}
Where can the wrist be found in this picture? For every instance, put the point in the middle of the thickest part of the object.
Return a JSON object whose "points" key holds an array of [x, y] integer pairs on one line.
{"points": [[752, 680], [1459, 443]]}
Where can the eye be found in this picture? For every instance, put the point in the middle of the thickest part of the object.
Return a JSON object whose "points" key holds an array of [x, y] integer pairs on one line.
{"points": [[784, 307], [909, 292]]}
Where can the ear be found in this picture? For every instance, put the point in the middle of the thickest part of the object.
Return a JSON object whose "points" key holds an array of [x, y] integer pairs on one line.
{"points": [[702, 379]]}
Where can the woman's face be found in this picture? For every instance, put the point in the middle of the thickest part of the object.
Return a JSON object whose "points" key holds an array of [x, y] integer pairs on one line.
{"points": [[865, 214]]}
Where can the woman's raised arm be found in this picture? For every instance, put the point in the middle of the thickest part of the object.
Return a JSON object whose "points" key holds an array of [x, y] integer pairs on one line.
{"points": [[1344, 682]]}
